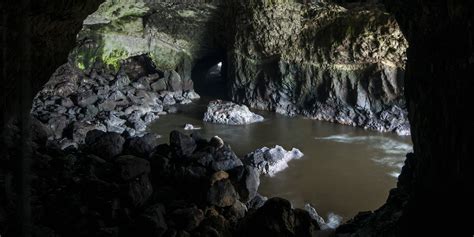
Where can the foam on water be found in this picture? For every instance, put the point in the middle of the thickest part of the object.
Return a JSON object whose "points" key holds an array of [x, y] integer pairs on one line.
{"points": [[392, 152]]}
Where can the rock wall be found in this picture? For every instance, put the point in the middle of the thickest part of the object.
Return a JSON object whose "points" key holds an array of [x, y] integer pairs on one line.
{"points": [[435, 190], [321, 60], [173, 34], [324, 61]]}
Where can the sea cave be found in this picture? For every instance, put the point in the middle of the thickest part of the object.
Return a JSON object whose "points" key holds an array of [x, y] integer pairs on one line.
{"points": [[236, 118]]}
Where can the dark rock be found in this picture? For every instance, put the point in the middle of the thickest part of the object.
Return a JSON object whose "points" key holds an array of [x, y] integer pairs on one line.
{"points": [[187, 218], [257, 201], [140, 146], [130, 167], [86, 98], [138, 190], [225, 159], [247, 186], [182, 145], [159, 85], [57, 126], [222, 194], [106, 146], [152, 222]]}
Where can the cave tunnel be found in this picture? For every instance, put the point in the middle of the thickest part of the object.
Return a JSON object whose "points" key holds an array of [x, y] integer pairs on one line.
{"points": [[434, 195], [209, 76]]}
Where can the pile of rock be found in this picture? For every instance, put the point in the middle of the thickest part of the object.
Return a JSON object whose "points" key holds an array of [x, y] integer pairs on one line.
{"points": [[75, 102], [118, 186], [226, 112]]}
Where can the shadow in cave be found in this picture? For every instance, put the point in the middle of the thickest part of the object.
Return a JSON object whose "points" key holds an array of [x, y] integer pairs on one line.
{"points": [[209, 77]]}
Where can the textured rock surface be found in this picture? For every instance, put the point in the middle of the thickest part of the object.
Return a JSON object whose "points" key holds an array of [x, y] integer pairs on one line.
{"points": [[74, 102], [321, 60], [226, 112], [270, 161], [174, 34], [324, 61]]}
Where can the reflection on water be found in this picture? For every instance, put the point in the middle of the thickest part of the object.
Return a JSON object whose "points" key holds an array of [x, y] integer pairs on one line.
{"points": [[345, 170]]}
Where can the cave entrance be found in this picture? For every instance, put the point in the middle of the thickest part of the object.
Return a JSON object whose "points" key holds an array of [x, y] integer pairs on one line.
{"points": [[209, 77]]}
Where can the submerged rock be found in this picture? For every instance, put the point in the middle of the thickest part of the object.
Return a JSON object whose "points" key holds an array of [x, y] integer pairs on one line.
{"points": [[271, 160], [226, 112]]}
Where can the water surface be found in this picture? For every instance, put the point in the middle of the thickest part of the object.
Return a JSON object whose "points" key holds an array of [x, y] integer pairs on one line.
{"points": [[345, 169]]}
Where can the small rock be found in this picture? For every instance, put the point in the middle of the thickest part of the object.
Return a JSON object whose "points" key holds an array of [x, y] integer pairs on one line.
{"points": [[190, 127]]}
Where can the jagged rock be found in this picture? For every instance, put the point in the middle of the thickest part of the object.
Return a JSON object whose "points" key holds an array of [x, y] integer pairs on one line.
{"points": [[271, 160], [86, 98], [277, 218], [226, 112], [225, 159], [159, 85], [183, 145], [222, 194], [247, 185]]}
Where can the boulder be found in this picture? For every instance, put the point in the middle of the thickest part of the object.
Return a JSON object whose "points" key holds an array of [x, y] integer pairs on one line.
{"points": [[226, 112], [181, 144], [271, 160], [222, 194], [107, 145]]}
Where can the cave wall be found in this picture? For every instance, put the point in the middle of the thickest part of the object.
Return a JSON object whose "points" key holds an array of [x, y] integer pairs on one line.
{"points": [[438, 87], [321, 60], [43, 30], [438, 84]]}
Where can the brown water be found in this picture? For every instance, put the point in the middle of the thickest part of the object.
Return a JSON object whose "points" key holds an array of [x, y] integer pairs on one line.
{"points": [[344, 170]]}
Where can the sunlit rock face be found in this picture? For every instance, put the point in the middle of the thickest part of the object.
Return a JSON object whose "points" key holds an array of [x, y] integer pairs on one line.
{"points": [[324, 61]]}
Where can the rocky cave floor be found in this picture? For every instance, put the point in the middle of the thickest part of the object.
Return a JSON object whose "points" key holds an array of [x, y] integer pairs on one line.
{"points": [[97, 172]]}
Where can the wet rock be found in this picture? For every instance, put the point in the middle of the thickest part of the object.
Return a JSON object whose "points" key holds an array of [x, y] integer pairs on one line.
{"points": [[257, 201], [222, 194], [225, 112], [192, 95], [168, 100], [105, 145], [183, 145], [271, 160], [190, 127]]}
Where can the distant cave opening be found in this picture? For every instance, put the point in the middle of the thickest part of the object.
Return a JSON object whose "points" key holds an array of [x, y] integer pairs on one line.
{"points": [[210, 77]]}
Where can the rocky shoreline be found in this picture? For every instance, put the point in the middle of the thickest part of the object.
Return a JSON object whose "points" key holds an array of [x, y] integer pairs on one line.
{"points": [[74, 102], [113, 185]]}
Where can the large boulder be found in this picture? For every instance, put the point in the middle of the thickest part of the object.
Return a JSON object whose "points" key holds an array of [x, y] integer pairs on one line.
{"points": [[106, 145], [226, 112], [271, 160]]}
